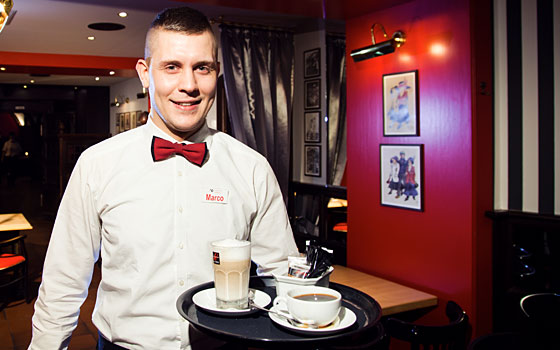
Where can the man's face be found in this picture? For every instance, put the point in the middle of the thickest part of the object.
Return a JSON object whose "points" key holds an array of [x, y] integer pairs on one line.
{"points": [[181, 77]]}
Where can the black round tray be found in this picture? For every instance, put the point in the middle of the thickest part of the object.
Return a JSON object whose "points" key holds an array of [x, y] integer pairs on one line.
{"points": [[257, 329]]}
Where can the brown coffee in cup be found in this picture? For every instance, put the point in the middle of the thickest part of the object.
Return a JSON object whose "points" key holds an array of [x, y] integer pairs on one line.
{"points": [[315, 297]]}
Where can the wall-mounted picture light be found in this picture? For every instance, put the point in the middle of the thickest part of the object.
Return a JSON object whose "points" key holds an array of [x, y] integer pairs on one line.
{"points": [[379, 49]]}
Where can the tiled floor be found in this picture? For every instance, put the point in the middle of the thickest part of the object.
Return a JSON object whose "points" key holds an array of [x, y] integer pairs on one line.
{"points": [[38, 203]]}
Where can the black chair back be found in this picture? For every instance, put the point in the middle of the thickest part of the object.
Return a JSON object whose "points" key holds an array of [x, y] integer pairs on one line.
{"points": [[542, 313], [452, 336], [13, 266]]}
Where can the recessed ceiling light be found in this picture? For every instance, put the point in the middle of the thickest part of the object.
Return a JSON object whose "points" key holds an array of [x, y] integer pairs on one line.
{"points": [[2, 68], [32, 81], [25, 86], [96, 78], [91, 38], [112, 72], [123, 14]]}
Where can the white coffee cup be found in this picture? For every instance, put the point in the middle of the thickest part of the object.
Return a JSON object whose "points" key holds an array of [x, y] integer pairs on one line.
{"points": [[310, 304], [232, 262]]}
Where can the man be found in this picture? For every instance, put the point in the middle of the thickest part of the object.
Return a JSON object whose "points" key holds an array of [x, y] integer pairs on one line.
{"points": [[152, 221]]}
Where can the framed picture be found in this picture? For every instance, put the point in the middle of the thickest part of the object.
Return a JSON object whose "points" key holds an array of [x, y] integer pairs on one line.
{"points": [[400, 104], [401, 171], [121, 122], [312, 127], [312, 160], [312, 94], [139, 120], [117, 123], [312, 63], [127, 121], [132, 120]]}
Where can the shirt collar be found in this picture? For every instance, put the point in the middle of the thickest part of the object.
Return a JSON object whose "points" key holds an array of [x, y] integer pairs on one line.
{"points": [[202, 135]]}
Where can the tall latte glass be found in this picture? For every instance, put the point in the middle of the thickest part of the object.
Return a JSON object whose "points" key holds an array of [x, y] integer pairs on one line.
{"points": [[232, 262]]}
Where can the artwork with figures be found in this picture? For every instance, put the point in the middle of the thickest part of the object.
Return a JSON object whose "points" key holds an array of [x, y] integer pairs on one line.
{"points": [[312, 127], [312, 94], [401, 176], [313, 160], [312, 63], [400, 104]]}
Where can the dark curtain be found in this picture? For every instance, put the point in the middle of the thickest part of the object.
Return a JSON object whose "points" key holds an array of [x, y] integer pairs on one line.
{"points": [[336, 85], [258, 72]]}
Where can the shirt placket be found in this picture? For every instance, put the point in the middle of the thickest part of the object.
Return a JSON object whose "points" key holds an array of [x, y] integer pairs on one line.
{"points": [[180, 242]]}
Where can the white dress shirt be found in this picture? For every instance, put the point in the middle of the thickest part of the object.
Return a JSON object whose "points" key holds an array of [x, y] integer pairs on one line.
{"points": [[152, 223]]}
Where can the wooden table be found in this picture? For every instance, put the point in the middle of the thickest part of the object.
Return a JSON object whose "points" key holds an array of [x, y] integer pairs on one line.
{"points": [[14, 222], [392, 297]]}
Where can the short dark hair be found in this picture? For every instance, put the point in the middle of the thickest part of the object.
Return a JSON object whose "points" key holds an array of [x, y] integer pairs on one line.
{"points": [[182, 19]]}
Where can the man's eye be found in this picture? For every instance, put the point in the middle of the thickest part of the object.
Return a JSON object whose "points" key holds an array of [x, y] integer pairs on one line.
{"points": [[203, 69], [171, 68]]}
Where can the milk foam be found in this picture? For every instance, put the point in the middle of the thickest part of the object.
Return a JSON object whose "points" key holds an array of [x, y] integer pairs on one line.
{"points": [[233, 254]]}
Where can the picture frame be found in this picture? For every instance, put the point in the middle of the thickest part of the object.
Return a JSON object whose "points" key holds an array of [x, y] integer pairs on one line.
{"points": [[127, 121], [402, 188], [312, 126], [312, 94], [138, 116], [117, 123], [121, 122], [132, 120], [400, 104], [312, 160], [312, 63]]}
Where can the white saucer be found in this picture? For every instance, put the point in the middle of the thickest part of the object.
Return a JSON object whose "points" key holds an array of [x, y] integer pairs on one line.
{"points": [[345, 319], [206, 299]]}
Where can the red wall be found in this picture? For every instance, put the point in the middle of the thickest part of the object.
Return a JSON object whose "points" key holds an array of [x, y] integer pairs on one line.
{"points": [[430, 250]]}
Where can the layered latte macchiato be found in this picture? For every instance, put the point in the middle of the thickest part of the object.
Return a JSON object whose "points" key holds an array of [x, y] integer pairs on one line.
{"points": [[232, 262]]}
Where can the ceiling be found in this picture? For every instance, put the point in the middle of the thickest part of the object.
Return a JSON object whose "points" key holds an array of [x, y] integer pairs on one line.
{"points": [[42, 27]]}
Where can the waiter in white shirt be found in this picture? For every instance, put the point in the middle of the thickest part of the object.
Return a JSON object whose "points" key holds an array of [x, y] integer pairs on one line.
{"points": [[150, 214]]}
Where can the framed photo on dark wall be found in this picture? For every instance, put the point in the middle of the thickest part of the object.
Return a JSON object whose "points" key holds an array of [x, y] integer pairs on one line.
{"points": [[312, 94], [312, 127], [312, 63], [401, 176], [127, 121], [400, 104], [312, 160]]}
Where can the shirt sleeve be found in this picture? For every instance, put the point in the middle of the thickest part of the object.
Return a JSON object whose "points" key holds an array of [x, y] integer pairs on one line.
{"points": [[68, 268], [271, 235]]}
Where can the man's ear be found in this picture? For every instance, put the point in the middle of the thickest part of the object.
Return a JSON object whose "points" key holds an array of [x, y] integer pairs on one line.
{"points": [[143, 70]]}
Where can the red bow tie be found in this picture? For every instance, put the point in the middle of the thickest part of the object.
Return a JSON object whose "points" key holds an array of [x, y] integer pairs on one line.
{"points": [[163, 149]]}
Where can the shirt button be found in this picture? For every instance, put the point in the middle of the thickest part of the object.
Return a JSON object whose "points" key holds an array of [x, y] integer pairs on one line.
{"points": [[180, 209], [180, 173], [180, 245], [181, 283]]}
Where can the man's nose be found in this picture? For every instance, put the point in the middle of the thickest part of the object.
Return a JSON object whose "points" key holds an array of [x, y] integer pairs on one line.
{"points": [[188, 83]]}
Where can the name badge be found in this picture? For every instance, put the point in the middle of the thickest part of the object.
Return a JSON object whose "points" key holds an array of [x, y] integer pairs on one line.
{"points": [[215, 195]]}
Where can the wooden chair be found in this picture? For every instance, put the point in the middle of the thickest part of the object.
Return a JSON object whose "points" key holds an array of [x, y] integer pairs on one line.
{"points": [[452, 336], [13, 265]]}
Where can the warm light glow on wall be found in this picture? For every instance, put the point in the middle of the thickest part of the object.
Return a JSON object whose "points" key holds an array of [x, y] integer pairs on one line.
{"points": [[404, 57], [438, 49], [21, 119]]}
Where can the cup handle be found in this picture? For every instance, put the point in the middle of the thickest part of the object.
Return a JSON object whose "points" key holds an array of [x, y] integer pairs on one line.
{"points": [[280, 304]]}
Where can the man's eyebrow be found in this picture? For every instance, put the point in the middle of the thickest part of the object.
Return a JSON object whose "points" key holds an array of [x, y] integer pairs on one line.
{"points": [[211, 64], [170, 62]]}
